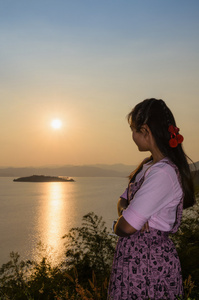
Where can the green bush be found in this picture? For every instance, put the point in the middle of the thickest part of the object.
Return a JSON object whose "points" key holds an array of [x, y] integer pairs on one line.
{"points": [[84, 274], [187, 244], [89, 251], [90, 247]]}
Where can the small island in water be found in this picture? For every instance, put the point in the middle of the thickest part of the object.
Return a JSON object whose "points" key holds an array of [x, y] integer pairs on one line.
{"points": [[43, 178]]}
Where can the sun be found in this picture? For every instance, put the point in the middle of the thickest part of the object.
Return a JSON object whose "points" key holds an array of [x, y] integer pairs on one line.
{"points": [[56, 124]]}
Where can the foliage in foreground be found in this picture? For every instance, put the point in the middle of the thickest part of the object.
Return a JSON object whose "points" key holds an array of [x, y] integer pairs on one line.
{"points": [[187, 245], [89, 248], [83, 275], [85, 272]]}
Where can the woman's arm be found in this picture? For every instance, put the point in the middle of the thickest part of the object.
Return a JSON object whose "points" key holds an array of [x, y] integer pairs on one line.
{"points": [[123, 228], [121, 205]]}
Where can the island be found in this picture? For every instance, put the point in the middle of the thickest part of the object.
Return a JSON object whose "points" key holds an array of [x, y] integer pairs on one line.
{"points": [[43, 178]]}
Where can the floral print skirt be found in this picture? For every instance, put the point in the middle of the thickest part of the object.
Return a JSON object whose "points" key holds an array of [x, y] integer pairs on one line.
{"points": [[145, 266]]}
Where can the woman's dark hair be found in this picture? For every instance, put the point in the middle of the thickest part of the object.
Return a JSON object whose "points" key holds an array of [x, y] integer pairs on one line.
{"points": [[156, 114]]}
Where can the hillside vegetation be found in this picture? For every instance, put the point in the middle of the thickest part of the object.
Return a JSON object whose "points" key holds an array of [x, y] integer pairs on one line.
{"points": [[84, 272]]}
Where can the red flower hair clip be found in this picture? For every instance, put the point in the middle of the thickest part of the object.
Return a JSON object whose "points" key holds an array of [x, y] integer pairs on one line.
{"points": [[176, 138]]}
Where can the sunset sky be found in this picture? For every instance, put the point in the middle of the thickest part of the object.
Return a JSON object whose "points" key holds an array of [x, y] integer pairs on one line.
{"points": [[87, 63]]}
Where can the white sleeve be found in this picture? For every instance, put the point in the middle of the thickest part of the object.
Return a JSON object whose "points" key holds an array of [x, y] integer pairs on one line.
{"points": [[156, 192]]}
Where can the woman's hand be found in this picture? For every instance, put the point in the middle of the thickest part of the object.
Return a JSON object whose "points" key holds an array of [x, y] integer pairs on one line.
{"points": [[121, 205], [145, 227]]}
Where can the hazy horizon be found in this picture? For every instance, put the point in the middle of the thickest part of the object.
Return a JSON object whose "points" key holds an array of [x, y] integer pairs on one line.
{"points": [[86, 64], [67, 165], [79, 165]]}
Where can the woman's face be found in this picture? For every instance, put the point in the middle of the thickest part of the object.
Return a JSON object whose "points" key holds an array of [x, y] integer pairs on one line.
{"points": [[139, 138]]}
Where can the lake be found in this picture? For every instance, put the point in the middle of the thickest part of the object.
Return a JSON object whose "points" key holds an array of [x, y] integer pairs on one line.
{"points": [[31, 212]]}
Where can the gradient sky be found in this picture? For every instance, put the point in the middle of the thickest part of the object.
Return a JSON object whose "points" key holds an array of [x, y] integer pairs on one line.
{"points": [[89, 63]]}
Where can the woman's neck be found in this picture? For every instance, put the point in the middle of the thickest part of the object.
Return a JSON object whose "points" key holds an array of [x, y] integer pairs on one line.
{"points": [[157, 156]]}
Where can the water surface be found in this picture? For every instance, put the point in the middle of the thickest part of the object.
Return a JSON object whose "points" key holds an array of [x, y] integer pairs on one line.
{"points": [[31, 212]]}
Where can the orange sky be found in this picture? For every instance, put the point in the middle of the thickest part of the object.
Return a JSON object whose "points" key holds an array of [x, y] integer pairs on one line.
{"points": [[87, 64]]}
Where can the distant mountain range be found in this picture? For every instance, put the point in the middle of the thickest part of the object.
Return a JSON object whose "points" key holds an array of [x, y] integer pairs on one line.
{"points": [[98, 170]]}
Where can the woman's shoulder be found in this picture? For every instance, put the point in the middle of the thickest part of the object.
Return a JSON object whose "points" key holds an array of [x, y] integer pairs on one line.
{"points": [[165, 163], [165, 166], [162, 168]]}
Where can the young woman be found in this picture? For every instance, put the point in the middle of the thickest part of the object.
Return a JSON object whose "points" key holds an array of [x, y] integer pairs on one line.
{"points": [[146, 264]]}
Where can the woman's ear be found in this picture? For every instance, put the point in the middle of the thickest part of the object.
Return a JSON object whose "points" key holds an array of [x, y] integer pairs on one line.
{"points": [[145, 129]]}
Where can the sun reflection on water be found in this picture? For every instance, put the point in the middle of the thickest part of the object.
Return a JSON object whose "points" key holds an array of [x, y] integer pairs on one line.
{"points": [[54, 213]]}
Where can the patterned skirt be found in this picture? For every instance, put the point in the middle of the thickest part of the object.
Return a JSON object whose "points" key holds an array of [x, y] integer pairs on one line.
{"points": [[145, 266]]}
